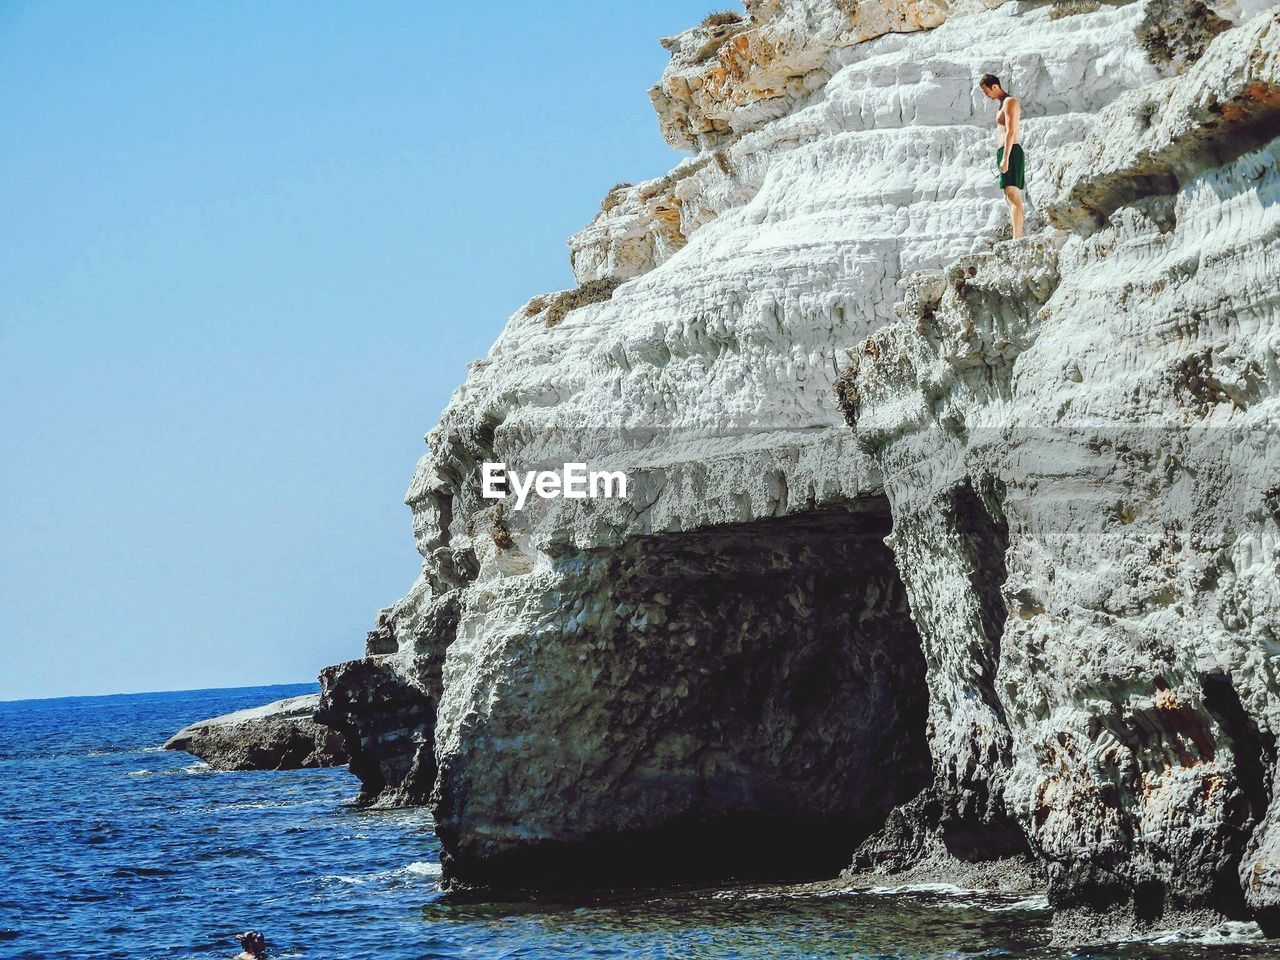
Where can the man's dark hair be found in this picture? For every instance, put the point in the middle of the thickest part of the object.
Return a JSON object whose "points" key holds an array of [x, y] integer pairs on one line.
{"points": [[989, 80]]}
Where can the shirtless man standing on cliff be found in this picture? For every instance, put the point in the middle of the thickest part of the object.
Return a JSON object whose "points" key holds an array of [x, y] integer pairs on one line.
{"points": [[1009, 156]]}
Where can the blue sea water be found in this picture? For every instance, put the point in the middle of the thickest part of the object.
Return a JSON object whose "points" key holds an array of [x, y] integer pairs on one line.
{"points": [[110, 847]]}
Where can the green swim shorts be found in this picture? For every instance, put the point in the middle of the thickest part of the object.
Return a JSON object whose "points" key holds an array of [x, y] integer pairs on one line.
{"points": [[1017, 174]]}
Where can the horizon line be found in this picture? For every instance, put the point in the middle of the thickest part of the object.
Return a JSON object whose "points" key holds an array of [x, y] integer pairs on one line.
{"points": [[143, 693]]}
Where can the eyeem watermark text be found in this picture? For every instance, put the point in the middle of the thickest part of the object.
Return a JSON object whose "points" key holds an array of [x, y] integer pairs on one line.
{"points": [[573, 481]]}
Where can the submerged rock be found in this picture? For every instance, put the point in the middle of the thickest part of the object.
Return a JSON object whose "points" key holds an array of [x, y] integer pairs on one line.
{"points": [[278, 736], [941, 552]]}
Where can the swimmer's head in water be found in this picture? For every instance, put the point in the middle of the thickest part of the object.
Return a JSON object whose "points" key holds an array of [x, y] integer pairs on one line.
{"points": [[254, 943]]}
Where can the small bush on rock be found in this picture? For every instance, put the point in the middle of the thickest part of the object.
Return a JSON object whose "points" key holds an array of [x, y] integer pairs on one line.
{"points": [[499, 531], [1174, 33], [1147, 113], [593, 291], [661, 185], [612, 198], [721, 18], [846, 386], [1069, 8]]}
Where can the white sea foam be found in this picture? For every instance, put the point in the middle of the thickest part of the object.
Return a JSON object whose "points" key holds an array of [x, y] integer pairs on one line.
{"points": [[341, 879], [964, 898], [953, 896], [942, 888], [195, 768], [254, 805], [992, 904], [1030, 903], [739, 896], [262, 805], [423, 868], [1227, 932], [419, 868]]}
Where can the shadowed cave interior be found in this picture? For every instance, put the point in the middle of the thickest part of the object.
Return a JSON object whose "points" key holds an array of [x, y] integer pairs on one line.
{"points": [[803, 724]]}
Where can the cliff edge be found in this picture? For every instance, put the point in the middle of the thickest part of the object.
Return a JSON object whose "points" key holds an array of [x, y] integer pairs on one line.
{"points": [[940, 548]]}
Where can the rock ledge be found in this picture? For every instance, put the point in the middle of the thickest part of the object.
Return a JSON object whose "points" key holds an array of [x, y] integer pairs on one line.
{"points": [[278, 736]]}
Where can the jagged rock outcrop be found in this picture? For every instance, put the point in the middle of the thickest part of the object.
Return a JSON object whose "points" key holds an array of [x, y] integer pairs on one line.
{"points": [[1008, 567], [726, 78], [278, 736], [384, 705]]}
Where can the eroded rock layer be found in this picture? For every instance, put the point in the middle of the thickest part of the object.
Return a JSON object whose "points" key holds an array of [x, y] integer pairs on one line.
{"points": [[980, 532]]}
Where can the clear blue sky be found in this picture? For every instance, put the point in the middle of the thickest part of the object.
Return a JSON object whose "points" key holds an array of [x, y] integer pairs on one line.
{"points": [[246, 249]]}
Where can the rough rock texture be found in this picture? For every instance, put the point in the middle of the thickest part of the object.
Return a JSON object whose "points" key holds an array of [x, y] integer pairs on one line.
{"points": [[752, 696], [728, 78], [1152, 140], [1066, 440], [1110, 397], [1238, 11], [384, 705], [1175, 33], [279, 736]]}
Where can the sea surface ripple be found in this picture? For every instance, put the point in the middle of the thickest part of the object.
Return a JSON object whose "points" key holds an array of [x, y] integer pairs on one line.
{"points": [[110, 847]]}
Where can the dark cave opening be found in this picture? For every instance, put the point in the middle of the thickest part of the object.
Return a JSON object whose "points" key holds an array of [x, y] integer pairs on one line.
{"points": [[1254, 751], [801, 719], [1254, 755], [984, 532], [984, 830]]}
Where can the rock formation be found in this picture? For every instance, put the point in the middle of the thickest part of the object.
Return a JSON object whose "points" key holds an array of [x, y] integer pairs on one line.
{"points": [[939, 547], [279, 736], [1107, 396]]}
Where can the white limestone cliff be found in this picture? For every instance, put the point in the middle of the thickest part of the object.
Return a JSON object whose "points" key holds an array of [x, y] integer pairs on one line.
{"points": [[1060, 654]]}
